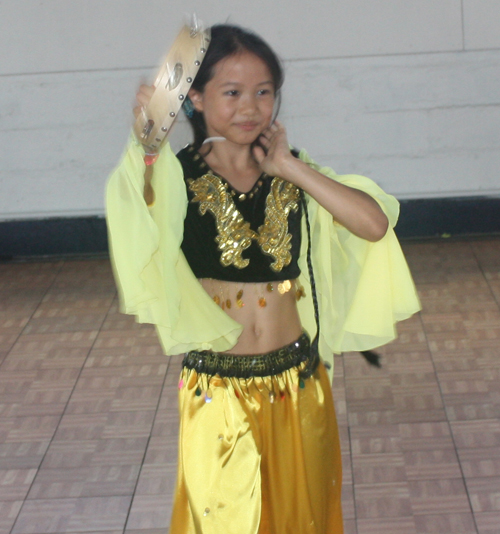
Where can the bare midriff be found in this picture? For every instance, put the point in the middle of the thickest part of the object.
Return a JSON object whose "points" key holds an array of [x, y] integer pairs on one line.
{"points": [[270, 319]]}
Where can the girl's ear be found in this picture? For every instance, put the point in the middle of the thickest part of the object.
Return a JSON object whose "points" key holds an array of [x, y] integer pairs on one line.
{"points": [[196, 99]]}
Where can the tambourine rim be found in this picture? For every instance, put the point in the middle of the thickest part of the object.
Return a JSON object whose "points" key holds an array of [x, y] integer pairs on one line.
{"points": [[162, 127]]}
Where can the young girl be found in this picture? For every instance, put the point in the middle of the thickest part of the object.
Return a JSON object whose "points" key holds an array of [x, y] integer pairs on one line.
{"points": [[212, 248]]}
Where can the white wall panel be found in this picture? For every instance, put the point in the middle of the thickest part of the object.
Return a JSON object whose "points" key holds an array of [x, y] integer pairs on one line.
{"points": [[394, 117], [387, 84], [362, 93], [365, 27], [67, 35], [59, 138], [421, 125], [481, 24]]}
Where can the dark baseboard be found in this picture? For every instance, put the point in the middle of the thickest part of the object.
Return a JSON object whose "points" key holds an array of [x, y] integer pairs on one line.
{"points": [[421, 218], [53, 237], [449, 217]]}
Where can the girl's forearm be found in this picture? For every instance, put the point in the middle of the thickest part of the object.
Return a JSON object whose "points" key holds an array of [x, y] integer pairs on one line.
{"points": [[351, 208]]}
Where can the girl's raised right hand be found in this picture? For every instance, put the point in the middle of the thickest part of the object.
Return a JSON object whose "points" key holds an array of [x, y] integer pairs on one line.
{"points": [[143, 96]]}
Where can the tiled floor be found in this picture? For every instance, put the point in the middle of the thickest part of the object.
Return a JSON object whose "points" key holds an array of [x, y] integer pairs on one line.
{"points": [[88, 416]]}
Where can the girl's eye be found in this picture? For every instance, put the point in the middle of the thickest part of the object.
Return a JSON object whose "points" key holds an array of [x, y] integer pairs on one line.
{"points": [[264, 92], [233, 92]]}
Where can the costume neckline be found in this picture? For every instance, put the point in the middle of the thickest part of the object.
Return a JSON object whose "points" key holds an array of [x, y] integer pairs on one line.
{"points": [[204, 167]]}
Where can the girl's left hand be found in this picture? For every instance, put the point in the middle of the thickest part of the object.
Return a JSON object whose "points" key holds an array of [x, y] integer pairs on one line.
{"points": [[274, 155], [353, 209]]}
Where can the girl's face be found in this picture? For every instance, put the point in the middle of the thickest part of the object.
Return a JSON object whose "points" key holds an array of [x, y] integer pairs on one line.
{"points": [[237, 103]]}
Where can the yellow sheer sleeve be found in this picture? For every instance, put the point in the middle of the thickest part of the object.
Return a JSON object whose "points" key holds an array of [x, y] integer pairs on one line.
{"points": [[154, 280], [363, 288]]}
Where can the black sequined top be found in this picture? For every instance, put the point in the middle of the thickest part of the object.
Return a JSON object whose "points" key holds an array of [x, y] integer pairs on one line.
{"points": [[239, 237]]}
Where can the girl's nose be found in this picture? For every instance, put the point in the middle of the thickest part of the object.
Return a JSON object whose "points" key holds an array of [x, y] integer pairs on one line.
{"points": [[248, 104]]}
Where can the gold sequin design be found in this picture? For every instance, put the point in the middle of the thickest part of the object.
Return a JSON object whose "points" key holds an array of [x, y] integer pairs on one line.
{"points": [[284, 287], [239, 299], [234, 233], [274, 238]]}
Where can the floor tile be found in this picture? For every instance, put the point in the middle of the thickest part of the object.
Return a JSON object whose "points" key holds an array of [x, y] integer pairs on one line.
{"points": [[454, 523], [350, 526], [379, 468], [109, 480], [105, 425], [487, 522], [157, 479], [438, 495], [72, 515], [480, 462], [375, 501], [471, 434], [15, 483], [84, 453], [22, 455], [9, 511], [423, 436], [18, 429], [162, 449], [370, 439], [470, 407], [89, 418], [484, 493], [149, 512], [388, 525], [430, 464]]}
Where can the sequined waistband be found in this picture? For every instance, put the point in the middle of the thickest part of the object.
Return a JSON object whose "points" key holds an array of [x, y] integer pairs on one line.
{"points": [[228, 365]]}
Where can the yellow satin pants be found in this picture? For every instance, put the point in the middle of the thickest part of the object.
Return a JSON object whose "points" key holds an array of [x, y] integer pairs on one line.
{"points": [[255, 463]]}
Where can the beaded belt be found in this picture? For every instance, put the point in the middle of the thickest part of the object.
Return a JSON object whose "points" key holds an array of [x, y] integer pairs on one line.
{"points": [[271, 363]]}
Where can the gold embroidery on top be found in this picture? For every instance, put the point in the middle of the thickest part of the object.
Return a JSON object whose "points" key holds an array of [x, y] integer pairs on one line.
{"points": [[234, 233], [274, 238]]}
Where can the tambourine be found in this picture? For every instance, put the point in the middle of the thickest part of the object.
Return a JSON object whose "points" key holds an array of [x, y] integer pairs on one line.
{"points": [[172, 84]]}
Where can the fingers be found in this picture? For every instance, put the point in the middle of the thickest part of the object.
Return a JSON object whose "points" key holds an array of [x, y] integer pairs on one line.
{"points": [[273, 135], [264, 140], [259, 154], [276, 128], [143, 96]]}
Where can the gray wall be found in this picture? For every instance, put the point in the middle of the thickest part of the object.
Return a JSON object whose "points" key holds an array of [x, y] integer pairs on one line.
{"points": [[404, 91]]}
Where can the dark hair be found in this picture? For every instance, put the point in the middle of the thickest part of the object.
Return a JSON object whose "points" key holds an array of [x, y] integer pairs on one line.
{"points": [[228, 40]]}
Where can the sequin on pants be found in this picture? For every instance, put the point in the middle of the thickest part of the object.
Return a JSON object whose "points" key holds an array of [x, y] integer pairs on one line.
{"points": [[257, 455]]}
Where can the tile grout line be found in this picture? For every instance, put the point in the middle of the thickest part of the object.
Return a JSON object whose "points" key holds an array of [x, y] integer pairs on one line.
{"points": [[497, 300], [344, 368], [448, 422], [61, 262], [67, 402], [147, 445], [474, 255], [396, 423]]}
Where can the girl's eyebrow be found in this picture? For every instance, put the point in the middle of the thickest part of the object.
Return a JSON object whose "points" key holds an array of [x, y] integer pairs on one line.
{"points": [[239, 83]]}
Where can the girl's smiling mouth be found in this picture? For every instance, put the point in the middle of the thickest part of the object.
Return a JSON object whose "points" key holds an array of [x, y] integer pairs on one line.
{"points": [[247, 126]]}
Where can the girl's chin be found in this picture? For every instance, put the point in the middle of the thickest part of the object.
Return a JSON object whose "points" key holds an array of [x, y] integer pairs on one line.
{"points": [[243, 139]]}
